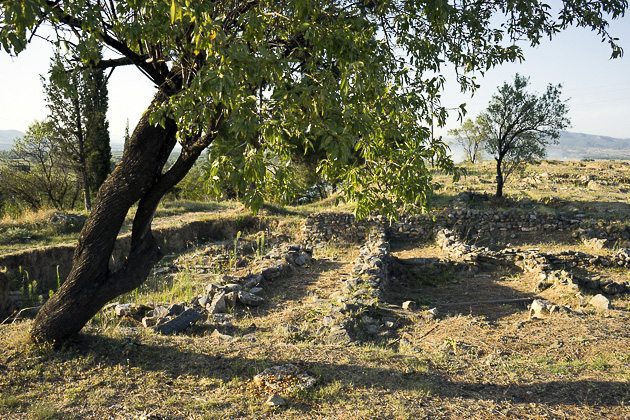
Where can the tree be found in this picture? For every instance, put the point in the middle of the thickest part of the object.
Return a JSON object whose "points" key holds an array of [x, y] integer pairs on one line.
{"points": [[471, 139], [126, 136], [99, 151], [519, 125], [376, 73], [37, 174], [77, 101]]}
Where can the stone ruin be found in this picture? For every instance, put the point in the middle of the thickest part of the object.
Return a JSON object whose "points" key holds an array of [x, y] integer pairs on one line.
{"points": [[358, 308], [220, 297]]}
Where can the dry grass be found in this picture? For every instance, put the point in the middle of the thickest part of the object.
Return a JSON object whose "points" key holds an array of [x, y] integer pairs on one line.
{"points": [[472, 361]]}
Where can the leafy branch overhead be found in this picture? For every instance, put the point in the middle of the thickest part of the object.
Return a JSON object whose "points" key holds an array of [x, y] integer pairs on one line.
{"points": [[352, 79]]}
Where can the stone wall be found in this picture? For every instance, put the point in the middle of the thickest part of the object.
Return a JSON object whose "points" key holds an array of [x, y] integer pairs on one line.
{"points": [[323, 227], [550, 267]]}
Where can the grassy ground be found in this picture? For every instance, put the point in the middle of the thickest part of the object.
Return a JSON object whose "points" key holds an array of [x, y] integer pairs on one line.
{"points": [[474, 361]]}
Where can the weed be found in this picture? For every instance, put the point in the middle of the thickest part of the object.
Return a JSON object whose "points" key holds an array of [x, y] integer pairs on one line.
{"points": [[10, 403], [260, 246], [234, 253], [44, 411]]}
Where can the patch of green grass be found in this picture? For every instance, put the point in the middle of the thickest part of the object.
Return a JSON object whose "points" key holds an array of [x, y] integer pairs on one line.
{"points": [[10, 403], [44, 410], [175, 207]]}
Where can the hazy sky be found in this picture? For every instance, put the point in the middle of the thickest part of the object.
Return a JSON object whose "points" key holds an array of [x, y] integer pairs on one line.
{"points": [[598, 88]]}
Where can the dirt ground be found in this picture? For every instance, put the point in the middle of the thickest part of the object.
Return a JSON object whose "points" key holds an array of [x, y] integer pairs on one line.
{"points": [[471, 361]]}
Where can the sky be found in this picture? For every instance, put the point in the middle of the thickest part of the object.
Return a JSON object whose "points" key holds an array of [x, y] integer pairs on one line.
{"points": [[597, 88]]}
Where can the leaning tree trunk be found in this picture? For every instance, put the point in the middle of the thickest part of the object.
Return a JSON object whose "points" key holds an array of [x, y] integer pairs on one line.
{"points": [[137, 178]]}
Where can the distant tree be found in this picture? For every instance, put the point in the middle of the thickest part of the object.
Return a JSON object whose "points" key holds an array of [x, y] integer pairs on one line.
{"points": [[37, 173], [126, 135], [77, 102], [519, 125], [99, 152], [471, 139]]}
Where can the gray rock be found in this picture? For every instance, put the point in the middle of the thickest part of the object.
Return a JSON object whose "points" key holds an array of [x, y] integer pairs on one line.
{"points": [[132, 310], [180, 323], [212, 288], [234, 287], [149, 322], [203, 301], [252, 281], [217, 334], [300, 260], [218, 304], [539, 308], [256, 290], [276, 401], [175, 309], [600, 303], [250, 299], [161, 312], [271, 273]]}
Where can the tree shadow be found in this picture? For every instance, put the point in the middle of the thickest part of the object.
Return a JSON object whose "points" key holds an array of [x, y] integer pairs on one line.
{"points": [[174, 362], [449, 285]]}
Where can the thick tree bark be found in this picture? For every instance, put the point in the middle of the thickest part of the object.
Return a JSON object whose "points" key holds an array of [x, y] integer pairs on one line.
{"points": [[90, 284], [138, 178]]}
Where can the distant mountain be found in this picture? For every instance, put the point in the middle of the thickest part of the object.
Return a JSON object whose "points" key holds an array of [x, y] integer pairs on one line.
{"points": [[7, 137], [572, 146]]}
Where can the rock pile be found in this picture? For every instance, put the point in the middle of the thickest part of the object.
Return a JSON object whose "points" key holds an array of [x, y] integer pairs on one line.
{"points": [[219, 296], [355, 316], [552, 268]]}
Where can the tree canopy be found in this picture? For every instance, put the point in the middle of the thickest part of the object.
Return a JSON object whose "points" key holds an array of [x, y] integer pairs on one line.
{"points": [[347, 76], [256, 80], [518, 125], [77, 102], [471, 139]]}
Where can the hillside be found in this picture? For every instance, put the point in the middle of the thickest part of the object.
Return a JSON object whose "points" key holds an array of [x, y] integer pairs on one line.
{"points": [[571, 146], [574, 146], [7, 137]]}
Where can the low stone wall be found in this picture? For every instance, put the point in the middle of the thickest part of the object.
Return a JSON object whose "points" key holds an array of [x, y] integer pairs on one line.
{"points": [[50, 264], [323, 227], [550, 267], [339, 227], [354, 316]]}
